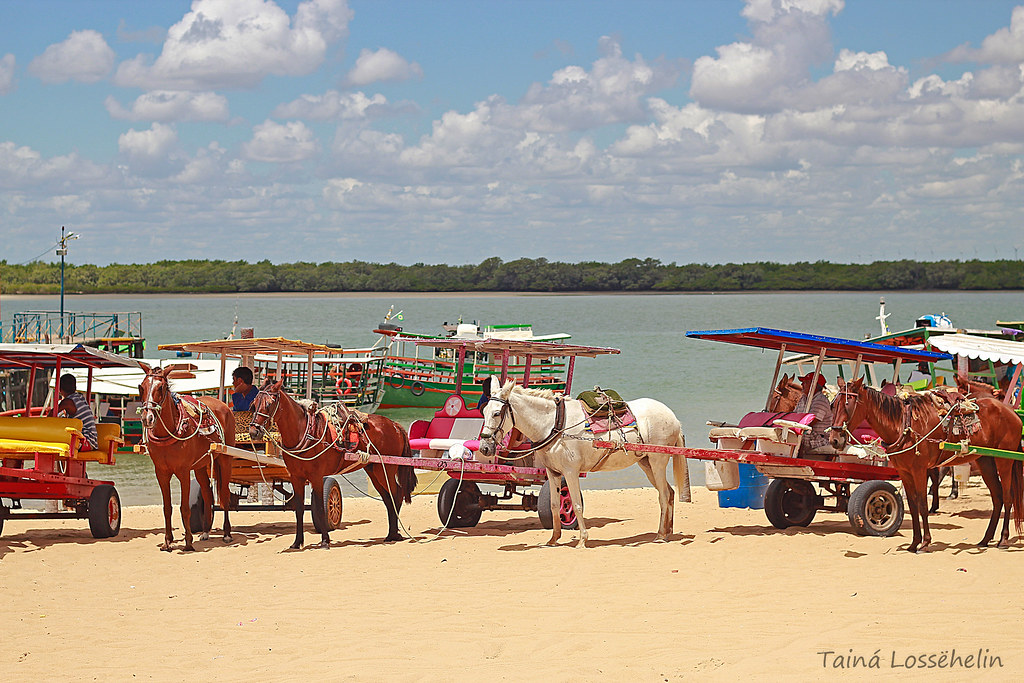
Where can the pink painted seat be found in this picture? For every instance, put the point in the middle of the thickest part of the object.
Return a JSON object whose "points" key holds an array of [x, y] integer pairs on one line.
{"points": [[453, 424]]}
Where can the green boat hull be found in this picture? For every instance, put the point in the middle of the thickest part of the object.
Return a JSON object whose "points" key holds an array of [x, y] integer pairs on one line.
{"points": [[418, 394]]}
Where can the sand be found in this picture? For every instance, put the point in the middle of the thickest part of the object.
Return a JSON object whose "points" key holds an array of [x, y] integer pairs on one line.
{"points": [[727, 597]]}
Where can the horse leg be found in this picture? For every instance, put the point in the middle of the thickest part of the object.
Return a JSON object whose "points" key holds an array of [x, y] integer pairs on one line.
{"points": [[990, 475], [572, 482], [390, 493], [206, 493], [163, 478], [222, 465], [318, 511], [935, 475], [921, 492], [1005, 469], [915, 512], [184, 481], [666, 496], [299, 496], [555, 501]]}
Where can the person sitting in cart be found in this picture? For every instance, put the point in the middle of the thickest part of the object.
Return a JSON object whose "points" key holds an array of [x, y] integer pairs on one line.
{"points": [[244, 392], [74, 405], [815, 440]]}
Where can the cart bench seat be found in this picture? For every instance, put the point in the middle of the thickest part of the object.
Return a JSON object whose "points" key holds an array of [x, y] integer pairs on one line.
{"points": [[450, 426], [58, 436], [759, 426]]}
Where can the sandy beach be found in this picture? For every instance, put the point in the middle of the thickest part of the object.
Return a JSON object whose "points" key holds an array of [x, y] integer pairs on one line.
{"points": [[728, 596]]}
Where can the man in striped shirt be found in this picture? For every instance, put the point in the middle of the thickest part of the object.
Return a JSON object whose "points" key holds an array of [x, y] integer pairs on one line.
{"points": [[74, 405]]}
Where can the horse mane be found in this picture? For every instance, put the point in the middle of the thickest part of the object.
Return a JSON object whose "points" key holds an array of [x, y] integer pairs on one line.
{"points": [[889, 406], [539, 393]]}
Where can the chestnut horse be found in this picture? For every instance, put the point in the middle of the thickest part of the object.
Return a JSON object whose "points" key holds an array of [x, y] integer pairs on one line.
{"points": [[311, 452], [912, 429], [179, 443]]}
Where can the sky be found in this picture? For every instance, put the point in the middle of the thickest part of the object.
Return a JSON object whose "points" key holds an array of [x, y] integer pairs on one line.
{"points": [[452, 131]]}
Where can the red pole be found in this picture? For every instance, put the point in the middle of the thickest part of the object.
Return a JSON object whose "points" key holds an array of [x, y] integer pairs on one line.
{"points": [[568, 376], [28, 396]]}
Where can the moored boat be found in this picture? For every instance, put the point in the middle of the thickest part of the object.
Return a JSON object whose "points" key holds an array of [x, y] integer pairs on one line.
{"points": [[423, 376]]}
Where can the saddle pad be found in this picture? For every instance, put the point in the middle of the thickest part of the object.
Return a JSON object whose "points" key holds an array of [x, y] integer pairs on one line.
{"points": [[601, 425]]}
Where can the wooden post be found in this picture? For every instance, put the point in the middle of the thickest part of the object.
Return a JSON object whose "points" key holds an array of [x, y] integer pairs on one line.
{"points": [[568, 376], [526, 372], [775, 377]]}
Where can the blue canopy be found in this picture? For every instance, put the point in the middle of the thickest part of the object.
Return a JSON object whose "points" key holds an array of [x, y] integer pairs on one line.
{"points": [[835, 347]]}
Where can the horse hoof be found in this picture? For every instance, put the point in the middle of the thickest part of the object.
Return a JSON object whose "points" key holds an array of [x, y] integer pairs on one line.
{"points": [[189, 549], [205, 536], [295, 546], [397, 537], [326, 545], [228, 539], [166, 548]]}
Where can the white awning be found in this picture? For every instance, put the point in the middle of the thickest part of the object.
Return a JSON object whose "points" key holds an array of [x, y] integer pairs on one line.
{"points": [[125, 381], [980, 348]]}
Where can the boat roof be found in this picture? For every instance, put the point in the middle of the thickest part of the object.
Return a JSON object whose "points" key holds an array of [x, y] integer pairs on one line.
{"points": [[835, 347], [262, 345], [917, 336], [201, 375], [980, 348], [515, 347], [20, 356]]}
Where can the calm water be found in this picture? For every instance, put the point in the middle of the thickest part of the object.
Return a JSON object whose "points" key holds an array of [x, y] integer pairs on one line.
{"points": [[699, 380]]}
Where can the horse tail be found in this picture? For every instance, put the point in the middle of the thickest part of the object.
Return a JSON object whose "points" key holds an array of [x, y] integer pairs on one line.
{"points": [[681, 471], [406, 473]]}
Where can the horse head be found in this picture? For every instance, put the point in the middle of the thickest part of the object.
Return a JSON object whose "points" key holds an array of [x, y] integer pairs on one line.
{"points": [[264, 407], [846, 410], [153, 391], [786, 395], [497, 411]]}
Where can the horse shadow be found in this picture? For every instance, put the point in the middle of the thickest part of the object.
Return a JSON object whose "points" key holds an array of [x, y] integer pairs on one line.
{"points": [[34, 540], [516, 525]]}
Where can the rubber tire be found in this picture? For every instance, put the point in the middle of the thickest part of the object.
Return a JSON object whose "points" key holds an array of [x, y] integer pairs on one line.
{"points": [[464, 511], [785, 502], [544, 507], [417, 388], [333, 503], [197, 510], [875, 509], [104, 512]]}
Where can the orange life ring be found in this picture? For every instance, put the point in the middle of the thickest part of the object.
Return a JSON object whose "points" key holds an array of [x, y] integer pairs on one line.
{"points": [[344, 386]]}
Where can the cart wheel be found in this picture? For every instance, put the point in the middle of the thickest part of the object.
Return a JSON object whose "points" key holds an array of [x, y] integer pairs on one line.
{"points": [[462, 510], [875, 509], [332, 503], [197, 510], [565, 510], [104, 512], [790, 502]]}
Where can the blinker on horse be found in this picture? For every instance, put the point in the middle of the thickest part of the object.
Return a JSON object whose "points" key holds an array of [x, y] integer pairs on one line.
{"points": [[178, 434], [313, 450], [565, 449]]}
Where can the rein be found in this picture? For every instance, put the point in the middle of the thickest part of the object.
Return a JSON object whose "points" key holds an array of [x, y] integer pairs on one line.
{"points": [[297, 451]]}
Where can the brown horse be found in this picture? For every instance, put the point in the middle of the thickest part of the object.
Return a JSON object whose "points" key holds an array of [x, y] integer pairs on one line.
{"points": [[179, 443], [786, 395], [311, 452], [912, 429]]}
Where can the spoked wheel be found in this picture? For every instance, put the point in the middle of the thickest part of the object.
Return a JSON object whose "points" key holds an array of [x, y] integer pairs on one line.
{"points": [[458, 504], [332, 503], [566, 513], [875, 509], [790, 502], [104, 512]]}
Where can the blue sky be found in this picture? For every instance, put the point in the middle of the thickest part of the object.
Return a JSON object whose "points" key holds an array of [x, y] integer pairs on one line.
{"points": [[448, 132]]}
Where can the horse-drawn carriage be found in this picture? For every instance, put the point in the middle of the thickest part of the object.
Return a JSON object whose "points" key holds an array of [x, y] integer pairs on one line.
{"points": [[855, 481], [44, 458]]}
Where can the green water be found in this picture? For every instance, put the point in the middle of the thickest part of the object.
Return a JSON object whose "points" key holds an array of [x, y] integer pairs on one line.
{"points": [[699, 380]]}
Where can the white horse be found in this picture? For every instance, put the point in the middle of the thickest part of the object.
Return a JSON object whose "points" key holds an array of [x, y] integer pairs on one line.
{"points": [[566, 450]]}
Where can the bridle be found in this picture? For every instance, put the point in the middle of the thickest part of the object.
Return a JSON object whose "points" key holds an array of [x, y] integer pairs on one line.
{"points": [[499, 433]]}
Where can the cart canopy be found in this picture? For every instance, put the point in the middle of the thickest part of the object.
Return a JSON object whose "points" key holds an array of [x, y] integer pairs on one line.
{"points": [[49, 356], [980, 348], [835, 347]]}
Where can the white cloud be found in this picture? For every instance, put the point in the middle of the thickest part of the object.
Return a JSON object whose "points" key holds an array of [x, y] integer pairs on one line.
{"points": [[375, 66], [6, 74], [332, 106], [84, 56], [237, 43], [1005, 46], [150, 152], [23, 168], [767, 10], [280, 143], [165, 105]]}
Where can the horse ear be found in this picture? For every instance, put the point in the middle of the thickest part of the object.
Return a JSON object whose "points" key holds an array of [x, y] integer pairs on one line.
{"points": [[278, 384], [146, 367], [486, 386], [841, 383], [509, 386]]}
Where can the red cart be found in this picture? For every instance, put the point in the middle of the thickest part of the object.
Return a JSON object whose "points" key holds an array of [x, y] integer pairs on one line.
{"points": [[854, 482], [44, 458]]}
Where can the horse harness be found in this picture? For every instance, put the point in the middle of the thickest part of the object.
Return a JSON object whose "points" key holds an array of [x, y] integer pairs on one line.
{"points": [[189, 410], [348, 431]]}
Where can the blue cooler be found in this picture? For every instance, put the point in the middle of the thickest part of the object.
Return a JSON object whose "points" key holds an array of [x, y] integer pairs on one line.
{"points": [[750, 493]]}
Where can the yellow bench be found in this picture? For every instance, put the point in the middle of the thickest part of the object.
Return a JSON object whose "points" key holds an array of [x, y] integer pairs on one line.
{"points": [[20, 435]]}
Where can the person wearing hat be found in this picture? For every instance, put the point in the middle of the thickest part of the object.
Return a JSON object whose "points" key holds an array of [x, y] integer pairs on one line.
{"points": [[815, 401]]}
